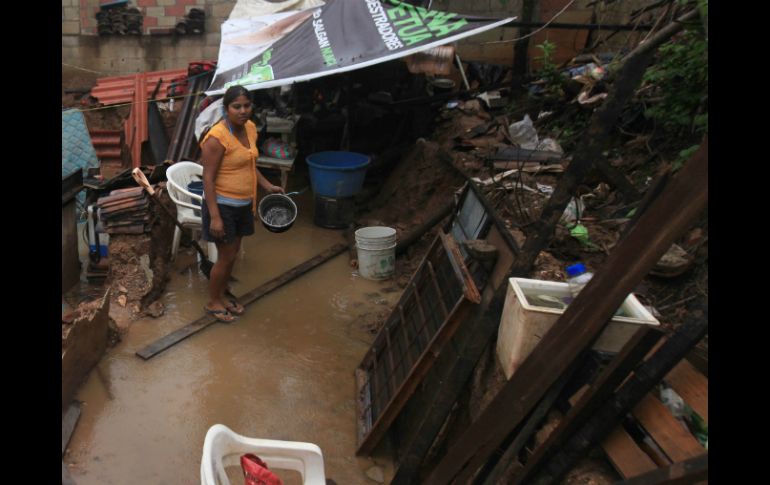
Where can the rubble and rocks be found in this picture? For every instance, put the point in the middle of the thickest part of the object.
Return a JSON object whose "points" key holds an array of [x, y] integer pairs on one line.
{"points": [[140, 263]]}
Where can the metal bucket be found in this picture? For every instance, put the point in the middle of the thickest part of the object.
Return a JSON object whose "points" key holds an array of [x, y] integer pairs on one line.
{"points": [[277, 212]]}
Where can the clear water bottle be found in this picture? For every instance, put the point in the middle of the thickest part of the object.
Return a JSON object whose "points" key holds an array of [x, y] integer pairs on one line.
{"points": [[577, 277]]}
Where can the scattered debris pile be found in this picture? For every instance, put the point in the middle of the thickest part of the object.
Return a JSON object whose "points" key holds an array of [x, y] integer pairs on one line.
{"points": [[139, 247]]}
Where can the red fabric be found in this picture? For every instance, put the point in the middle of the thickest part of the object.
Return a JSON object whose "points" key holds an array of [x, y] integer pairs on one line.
{"points": [[255, 471]]}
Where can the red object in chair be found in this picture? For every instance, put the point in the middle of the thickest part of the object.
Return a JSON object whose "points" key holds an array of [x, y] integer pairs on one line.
{"points": [[255, 471]]}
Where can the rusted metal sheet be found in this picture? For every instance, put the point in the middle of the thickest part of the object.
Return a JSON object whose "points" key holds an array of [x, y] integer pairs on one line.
{"points": [[109, 150], [121, 89]]}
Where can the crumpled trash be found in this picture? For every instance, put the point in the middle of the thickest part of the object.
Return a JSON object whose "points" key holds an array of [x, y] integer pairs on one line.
{"points": [[589, 70], [580, 232], [673, 402], [572, 212], [493, 99], [546, 189], [523, 133], [550, 145], [674, 263]]}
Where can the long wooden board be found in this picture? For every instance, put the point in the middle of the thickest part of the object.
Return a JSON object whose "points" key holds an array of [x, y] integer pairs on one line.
{"points": [[190, 329]]}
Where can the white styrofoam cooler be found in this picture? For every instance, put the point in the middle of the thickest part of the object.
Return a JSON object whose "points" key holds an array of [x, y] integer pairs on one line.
{"points": [[523, 324]]}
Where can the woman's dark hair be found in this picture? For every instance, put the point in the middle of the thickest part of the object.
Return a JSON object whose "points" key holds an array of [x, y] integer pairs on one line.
{"points": [[233, 92]]}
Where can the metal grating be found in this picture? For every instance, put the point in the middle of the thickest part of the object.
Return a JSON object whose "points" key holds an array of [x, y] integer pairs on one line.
{"points": [[437, 298]]}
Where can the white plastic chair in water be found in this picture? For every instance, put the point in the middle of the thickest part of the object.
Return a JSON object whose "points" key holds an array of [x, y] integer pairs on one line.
{"points": [[224, 448], [179, 175]]}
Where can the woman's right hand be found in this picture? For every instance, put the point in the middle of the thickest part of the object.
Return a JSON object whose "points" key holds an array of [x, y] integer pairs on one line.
{"points": [[217, 228]]}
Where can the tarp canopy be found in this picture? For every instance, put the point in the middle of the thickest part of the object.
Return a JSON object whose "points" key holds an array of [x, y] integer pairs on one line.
{"points": [[283, 47]]}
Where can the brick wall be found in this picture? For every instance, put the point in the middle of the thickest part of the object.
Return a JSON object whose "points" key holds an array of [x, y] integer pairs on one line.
{"points": [[115, 54]]}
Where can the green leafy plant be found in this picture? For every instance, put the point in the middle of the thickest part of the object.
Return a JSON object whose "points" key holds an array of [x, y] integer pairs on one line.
{"points": [[677, 85], [548, 70]]}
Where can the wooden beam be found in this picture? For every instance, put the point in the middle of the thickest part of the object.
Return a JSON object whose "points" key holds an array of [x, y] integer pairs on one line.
{"points": [[512, 452], [682, 473], [620, 366], [645, 377], [177, 336], [672, 213]]}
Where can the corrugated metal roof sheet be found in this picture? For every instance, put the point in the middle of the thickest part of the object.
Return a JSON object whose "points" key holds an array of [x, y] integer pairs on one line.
{"points": [[120, 89]]}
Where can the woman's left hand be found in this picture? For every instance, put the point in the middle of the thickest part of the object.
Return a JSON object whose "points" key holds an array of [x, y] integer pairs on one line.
{"points": [[276, 189]]}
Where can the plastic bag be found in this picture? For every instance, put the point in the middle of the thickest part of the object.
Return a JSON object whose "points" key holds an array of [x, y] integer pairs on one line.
{"points": [[572, 212], [523, 133]]}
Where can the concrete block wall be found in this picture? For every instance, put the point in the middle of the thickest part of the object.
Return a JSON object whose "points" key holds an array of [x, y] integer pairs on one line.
{"points": [[117, 55]]}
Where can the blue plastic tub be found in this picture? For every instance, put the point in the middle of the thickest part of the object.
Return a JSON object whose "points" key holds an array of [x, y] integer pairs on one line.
{"points": [[337, 174], [197, 189]]}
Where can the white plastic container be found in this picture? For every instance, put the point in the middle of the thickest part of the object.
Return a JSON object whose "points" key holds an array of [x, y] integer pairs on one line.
{"points": [[376, 248], [524, 322]]}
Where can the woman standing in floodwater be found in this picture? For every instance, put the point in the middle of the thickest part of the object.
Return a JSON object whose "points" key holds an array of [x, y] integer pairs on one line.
{"points": [[230, 179]]}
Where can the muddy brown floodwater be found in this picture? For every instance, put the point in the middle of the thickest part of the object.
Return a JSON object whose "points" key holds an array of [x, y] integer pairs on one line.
{"points": [[283, 371]]}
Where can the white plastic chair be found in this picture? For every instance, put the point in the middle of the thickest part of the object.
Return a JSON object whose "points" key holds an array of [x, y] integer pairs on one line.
{"points": [[223, 448], [179, 175]]}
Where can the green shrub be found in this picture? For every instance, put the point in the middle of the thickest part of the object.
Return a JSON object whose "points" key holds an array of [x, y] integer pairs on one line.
{"points": [[676, 86]]}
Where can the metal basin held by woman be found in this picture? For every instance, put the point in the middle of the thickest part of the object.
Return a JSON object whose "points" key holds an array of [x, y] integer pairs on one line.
{"points": [[277, 212]]}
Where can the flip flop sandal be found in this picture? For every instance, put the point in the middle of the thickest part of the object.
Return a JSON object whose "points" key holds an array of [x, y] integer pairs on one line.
{"points": [[233, 308], [221, 315]]}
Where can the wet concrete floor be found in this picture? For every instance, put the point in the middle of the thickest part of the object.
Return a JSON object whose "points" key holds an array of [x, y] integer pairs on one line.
{"points": [[283, 371]]}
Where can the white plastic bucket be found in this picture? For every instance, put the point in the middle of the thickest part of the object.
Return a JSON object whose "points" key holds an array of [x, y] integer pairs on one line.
{"points": [[376, 247]]}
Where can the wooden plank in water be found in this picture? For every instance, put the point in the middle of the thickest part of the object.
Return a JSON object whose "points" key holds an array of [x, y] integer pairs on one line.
{"points": [[178, 335], [68, 422]]}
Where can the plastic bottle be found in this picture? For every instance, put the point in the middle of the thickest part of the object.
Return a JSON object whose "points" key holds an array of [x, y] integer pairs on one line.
{"points": [[578, 276]]}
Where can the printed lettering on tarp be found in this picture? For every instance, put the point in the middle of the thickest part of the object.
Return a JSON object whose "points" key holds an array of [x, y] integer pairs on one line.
{"points": [[339, 36]]}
